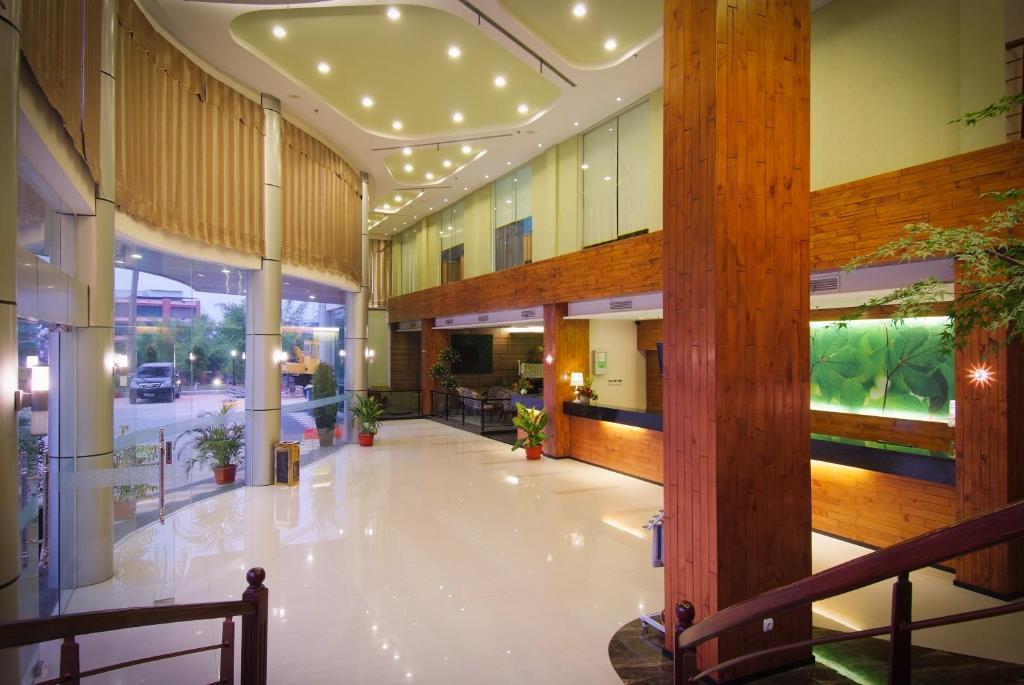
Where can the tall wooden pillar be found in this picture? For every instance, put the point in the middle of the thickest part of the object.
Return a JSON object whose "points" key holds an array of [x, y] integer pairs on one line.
{"points": [[737, 451], [990, 455], [566, 349], [432, 342]]}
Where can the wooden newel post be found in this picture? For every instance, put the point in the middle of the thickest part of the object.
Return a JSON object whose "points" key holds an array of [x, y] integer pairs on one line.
{"points": [[899, 638], [254, 630], [685, 666], [70, 668]]}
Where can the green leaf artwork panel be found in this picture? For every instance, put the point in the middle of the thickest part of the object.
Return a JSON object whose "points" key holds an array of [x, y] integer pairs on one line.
{"points": [[899, 369]]}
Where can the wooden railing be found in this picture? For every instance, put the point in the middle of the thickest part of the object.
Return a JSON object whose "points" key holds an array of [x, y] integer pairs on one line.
{"points": [[970, 535], [252, 608]]}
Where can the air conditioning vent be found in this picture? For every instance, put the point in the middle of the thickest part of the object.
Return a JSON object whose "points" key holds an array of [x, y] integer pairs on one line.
{"points": [[620, 305], [528, 314], [824, 284], [483, 318], [449, 322]]}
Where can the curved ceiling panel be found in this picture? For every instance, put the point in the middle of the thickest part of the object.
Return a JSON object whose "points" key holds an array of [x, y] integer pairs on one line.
{"points": [[392, 203], [591, 34], [431, 165], [401, 71]]}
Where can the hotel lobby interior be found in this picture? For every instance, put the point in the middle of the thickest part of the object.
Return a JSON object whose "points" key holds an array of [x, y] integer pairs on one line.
{"points": [[495, 341]]}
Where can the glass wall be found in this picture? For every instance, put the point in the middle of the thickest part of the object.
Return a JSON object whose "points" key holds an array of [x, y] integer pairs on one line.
{"points": [[450, 239], [615, 170], [407, 268], [513, 219]]}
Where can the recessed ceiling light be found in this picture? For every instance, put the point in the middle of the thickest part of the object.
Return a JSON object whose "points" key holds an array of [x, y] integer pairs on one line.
{"points": [[408, 168], [454, 52], [611, 44], [279, 32], [397, 125], [387, 206], [394, 14], [457, 117], [430, 208], [406, 151], [447, 164], [579, 10], [465, 187], [367, 101], [607, 178], [398, 198], [487, 175], [610, 130], [466, 149], [575, 123], [522, 109], [584, 166], [136, 255], [618, 99], [430, 176], [540, 144], [225, 271], [500, 81], [446, 199], [508, 163], [323, 67], [312, 297]]}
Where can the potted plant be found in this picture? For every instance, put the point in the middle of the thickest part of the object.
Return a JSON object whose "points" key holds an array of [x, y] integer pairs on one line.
{"points": [[367, 412], [126, 496], [523, 386], [586, 391], [441, 372], [326, 417], [531, 422], [220, 445]]}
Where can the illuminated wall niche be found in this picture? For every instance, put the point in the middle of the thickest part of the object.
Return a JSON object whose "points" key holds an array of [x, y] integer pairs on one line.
{"points": [[882, 368]]}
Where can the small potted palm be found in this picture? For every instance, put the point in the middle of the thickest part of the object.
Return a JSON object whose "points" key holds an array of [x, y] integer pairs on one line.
{"points": [[220, 446], [127, 495], [326, 417], [367, 413], [531, 422]]}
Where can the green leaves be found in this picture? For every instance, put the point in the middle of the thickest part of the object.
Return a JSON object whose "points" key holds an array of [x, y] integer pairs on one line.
{"points": [[882, 367], [531, 422]]}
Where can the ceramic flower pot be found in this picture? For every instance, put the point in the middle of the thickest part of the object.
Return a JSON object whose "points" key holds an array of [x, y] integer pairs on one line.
{"points": [[534, 452], [225, 475], [366, 439]]}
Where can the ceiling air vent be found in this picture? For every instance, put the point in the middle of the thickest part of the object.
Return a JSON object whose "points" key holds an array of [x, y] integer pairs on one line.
{"points": [[483, 318], [824, 284], [449, 322], [620, 305], [528, 314]]}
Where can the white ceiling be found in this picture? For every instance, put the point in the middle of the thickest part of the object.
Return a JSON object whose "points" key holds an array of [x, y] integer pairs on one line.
{"points": [[202, 28]]}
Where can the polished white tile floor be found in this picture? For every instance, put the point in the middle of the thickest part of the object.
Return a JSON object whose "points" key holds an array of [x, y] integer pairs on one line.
{"points": [[437, 556]]}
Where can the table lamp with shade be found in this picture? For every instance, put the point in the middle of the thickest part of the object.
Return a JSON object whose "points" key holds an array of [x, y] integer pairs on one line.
{"points": [[576, 380]]}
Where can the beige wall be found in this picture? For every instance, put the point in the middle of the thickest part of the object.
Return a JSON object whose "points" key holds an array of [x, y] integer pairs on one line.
{"points": [[625, 363], [887, 76]]}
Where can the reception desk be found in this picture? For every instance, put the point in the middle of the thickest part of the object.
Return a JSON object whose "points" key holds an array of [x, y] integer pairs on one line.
{"points": [[869, 493]]}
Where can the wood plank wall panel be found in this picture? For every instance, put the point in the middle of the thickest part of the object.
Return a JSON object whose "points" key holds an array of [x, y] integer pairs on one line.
{"points": [[627, 449], [877, 509], [628, 266], [929, 435], [990, 456], [431, 342], [856, 217], [654, 382], [737, 207], [567, 344], [406, 364], [648, 334]]}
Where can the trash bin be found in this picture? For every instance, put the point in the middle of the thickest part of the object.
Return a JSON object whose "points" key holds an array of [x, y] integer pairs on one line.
{"points": [[286, 463]]}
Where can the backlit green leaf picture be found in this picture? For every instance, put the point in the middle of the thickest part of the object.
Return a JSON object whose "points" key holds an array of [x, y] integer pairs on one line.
{"points": [[883, 368]]}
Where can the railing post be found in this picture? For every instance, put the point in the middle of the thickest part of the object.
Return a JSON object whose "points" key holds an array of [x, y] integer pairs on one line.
{"points": [[685, 660], [899, 638], [254, 630], [69, 663], [227, 652]]}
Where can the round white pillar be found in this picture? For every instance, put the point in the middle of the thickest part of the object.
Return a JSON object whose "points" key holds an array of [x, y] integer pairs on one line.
{"points": [[356, 319]]}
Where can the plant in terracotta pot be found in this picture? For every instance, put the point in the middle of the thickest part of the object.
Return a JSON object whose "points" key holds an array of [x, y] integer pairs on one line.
{"points": [[127, 495], [219, 445], [531, 422], [367, 412], [586, 391], [326, 417]]}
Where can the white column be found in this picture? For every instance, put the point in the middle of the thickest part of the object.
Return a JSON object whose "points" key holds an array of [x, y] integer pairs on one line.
{"points": [[92, 507], [356, 319], [10, 558], [263, 316]]}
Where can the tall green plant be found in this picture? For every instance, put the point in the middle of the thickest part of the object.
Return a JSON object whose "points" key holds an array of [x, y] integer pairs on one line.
{"points": [[325, 385], [367, 413], [442, 370], [532, 423], [218, 445]]}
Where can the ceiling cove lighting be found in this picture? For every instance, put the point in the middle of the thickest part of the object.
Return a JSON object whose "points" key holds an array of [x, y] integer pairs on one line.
{"points": [[611, 44], [394, 14], [500, 81], [579, 10], [367, 101], [396, 124], [454, 52], [457, 117], [279, 32], [323, 68]]}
